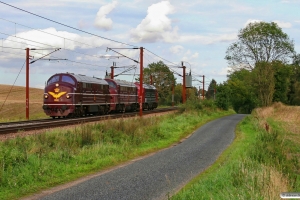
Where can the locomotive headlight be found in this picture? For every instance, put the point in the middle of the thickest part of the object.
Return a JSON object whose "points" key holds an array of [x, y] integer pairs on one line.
{"points": [[68, 96], [46, 96], [56, 84]]}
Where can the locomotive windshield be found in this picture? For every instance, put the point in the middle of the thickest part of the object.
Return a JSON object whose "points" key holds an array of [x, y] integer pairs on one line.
{"points": [[53, 79], [111, 84], [67, 79]]}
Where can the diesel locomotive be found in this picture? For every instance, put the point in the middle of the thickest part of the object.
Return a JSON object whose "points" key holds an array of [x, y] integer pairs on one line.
{"points": [[70, 95]]}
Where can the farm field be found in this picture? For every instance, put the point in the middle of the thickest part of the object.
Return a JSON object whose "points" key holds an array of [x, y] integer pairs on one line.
{"points": [[262, 162], [14, 107]]}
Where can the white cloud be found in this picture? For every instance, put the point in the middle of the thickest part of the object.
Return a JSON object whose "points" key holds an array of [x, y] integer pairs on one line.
{"points": [[50, 39], [189, 56], [101, 21], [280, 23], [211, 39], [195, 55], [176, 49], [156, 26], [252, 21], [283, 24]]}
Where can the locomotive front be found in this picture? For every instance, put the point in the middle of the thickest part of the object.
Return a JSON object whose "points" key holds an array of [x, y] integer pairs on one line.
{"points": [[58, 101]]}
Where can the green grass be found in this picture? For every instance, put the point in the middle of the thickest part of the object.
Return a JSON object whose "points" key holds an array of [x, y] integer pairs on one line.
{"points": [[37, 162], [258, 165]]}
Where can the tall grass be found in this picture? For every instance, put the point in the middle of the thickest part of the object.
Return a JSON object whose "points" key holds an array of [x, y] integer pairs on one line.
{"points": [[40, 161], [261, 163]]}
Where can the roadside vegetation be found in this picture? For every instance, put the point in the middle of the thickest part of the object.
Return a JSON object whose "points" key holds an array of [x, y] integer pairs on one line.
{"points": [[30, 164], [262, 162]]}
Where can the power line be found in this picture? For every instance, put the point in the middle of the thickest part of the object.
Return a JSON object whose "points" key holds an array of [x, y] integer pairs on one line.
{"points": [[159, 56], [12, 48], [55, 47], [12, 85], [165, 60], [49, 56], [72, 61], [50, 34], [66, 25], [11, 53]]}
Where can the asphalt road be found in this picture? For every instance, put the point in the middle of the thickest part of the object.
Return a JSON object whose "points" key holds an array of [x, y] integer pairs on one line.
{"points": [[161, 174]]}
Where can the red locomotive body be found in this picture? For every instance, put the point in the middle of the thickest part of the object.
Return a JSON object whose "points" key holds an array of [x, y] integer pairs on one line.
{"points": [[123, 95], [149, 97], [70, 95], [75, 95]]}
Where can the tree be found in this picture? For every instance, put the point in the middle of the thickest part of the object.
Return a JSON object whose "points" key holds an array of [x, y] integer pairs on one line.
{"points": [[177, 95], [163, 79], [211, 90], [294, 87], [259, 42], [223, 96], [242, 94], [263, 82], [282, 74]]}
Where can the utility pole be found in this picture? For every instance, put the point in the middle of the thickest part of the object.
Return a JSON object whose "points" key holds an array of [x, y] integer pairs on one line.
{"points": [[141, 81], [215, 92], [173, 95], [183, 85], [203, 88], [27, 75], [27, 83], [112, 70]]}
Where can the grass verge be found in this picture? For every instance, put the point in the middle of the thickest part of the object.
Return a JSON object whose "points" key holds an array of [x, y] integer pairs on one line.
{"points": [[262, 162], [37, 162]]}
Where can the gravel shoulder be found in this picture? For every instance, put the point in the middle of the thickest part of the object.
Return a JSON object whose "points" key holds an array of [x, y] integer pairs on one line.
{"points": [[155, 176]]}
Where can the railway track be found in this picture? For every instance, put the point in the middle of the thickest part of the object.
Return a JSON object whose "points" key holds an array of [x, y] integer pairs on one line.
{"points": [[12, 127]]}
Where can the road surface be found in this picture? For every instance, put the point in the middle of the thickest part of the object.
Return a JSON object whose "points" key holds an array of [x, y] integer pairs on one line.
{"points": [[158, 175]]}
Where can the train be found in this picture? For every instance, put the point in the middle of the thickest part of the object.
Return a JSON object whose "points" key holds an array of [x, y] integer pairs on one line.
{"points": [[75, 95]]}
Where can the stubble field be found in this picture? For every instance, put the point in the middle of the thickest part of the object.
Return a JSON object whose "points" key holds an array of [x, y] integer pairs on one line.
{"points": [[13, 103]]}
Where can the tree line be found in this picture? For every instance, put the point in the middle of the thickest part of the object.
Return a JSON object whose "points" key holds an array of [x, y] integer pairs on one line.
{"points": [[264, 69]]}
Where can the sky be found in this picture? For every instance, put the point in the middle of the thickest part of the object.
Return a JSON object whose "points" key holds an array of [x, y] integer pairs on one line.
{"points": [[196, 33]]}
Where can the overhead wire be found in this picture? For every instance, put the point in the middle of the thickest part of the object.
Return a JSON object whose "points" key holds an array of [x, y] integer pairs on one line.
{"points": [[12, 85], [175, 65], [66, 25], [49, 33], [77, 62], [165, 60], [49, 56], [11, 53], [55, 46]]}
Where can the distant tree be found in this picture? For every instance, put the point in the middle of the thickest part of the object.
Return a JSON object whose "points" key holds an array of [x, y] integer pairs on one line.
{"points": [[295, 96], [242, 94], [211, 89], [263, 82], [282, 74], [259, 42], [177, 95], [223, 96], [162, 77], [294, 87], [191, 93]]}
